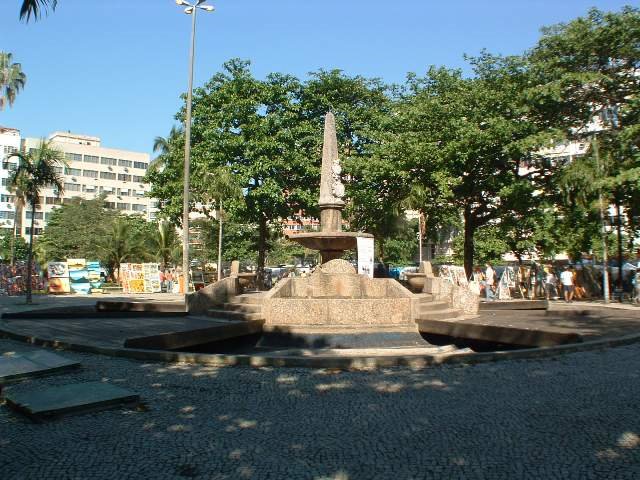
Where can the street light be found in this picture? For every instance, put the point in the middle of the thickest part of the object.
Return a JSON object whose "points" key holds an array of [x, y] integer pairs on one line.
{"points": [[191, 9]]}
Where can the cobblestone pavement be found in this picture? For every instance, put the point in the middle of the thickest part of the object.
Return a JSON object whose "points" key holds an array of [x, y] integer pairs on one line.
{"points": [[572, 417]]}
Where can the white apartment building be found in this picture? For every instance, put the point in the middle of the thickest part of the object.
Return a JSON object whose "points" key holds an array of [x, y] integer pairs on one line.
{"points": [[9, 144], [91, 170]]}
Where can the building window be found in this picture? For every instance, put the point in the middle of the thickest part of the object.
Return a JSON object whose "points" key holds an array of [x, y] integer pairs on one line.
{"points": [[124, 192], [53, 201], [125, 163], [138, 179], [36, 231], [58, 170], [124, 177], [73, 157], [7, 198], [4, 182], [11, 166], [142, 165], [106, 189], [90, 173], [7, 215], [91, 159], [108, 175], [38, 215], [110, 204], [75, 172], [89, 188], [136, 207], [108, 161], [9, 149], [124, 206], [72, 187]]}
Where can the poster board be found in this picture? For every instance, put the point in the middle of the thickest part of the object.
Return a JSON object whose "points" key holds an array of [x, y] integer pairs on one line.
{"points": [[58, 274], [365, 248], [78, 276], [140, 277]]}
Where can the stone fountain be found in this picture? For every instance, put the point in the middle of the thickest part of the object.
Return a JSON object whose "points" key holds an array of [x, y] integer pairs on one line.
{"points": [[334, 306]]}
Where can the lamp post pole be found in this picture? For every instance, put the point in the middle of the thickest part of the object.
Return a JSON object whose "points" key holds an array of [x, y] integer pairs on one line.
{"points": [[190, 10]]}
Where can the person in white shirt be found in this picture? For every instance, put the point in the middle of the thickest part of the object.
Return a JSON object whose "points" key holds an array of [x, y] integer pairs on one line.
{"points": [[490, 280], [566, 277]]}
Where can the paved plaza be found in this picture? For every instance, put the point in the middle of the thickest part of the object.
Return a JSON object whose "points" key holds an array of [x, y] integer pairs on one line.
{"points": [[569, 417]]}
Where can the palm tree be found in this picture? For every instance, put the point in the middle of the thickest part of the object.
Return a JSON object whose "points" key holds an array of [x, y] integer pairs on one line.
{"points": [[162, 146], [221, 186], [12, 79], [35, 171], [119, 245], [165, 244], [35, 7]]}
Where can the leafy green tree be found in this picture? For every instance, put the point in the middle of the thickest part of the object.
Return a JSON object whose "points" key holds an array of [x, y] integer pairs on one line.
{"points": [[13, 247], [252, 128], [75, 228], [35, 171], [12, 79], [464, 139], [585, 83]]}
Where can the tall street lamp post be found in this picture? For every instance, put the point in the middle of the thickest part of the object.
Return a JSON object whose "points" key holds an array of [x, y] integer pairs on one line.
{"points": [[191, 9]]}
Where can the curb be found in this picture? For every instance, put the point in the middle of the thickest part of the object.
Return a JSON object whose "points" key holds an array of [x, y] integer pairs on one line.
{"points": [[345, 363]]}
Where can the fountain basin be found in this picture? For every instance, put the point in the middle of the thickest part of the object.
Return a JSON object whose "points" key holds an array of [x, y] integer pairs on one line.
{"points": [[328, 240]]}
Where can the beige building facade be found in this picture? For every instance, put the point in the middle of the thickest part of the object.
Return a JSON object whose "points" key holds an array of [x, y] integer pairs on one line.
{"points": [[91, 170]]}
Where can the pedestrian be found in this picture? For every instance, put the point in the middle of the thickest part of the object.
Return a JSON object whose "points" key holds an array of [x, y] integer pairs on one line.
{"points": [[550, 282], [490, 280], [566, 277], [636, 282]]}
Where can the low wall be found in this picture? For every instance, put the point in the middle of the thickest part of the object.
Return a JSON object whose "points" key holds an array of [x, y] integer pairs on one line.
{"points": [[212, 295], [458, 297]]}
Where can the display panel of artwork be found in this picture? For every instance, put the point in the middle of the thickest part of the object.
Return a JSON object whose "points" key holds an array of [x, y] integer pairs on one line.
{"points": [[140, 277]]}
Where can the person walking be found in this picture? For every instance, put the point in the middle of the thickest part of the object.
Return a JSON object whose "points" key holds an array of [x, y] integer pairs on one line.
{"points": [[566, 278], [490, 280], [550, 282]]}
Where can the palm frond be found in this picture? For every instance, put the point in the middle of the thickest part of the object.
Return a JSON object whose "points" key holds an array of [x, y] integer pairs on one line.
{"points": [[34, 8]]}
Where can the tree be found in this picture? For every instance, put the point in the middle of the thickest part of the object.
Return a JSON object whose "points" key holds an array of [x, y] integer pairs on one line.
{"points": [[35, 171], [220, 186], [76, 227], [252, 128], [11, 248], [464, 139], [163, 244], [12, 80], [122, 244], [586, 83]]}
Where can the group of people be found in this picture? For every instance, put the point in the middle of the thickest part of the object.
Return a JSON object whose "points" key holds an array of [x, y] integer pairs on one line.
{"points": [[167, 279], [567, 280], [488, 281]]}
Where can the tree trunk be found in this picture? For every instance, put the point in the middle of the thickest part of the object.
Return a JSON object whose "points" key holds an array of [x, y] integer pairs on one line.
{"points": [[220, 242], [620, 250], [469, 247], [30, 254], [262, 252]]}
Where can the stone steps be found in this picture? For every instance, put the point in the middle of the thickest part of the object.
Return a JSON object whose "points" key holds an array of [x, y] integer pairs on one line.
{"points": [[243, 307], [233, 315], [248, 298]]}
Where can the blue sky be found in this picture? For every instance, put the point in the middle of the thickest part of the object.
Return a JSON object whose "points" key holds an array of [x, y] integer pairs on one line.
{"points": [[116, 68]]}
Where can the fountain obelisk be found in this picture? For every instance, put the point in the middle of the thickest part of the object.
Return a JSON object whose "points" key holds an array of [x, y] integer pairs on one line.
{"points": [[330, 240], [331, 189]]}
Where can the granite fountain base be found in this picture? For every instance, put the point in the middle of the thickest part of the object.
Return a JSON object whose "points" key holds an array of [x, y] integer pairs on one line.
{"points": [[335, 307]]}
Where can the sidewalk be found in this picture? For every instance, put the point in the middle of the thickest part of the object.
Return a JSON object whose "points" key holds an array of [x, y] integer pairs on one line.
{"points": [[17, 303]]}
